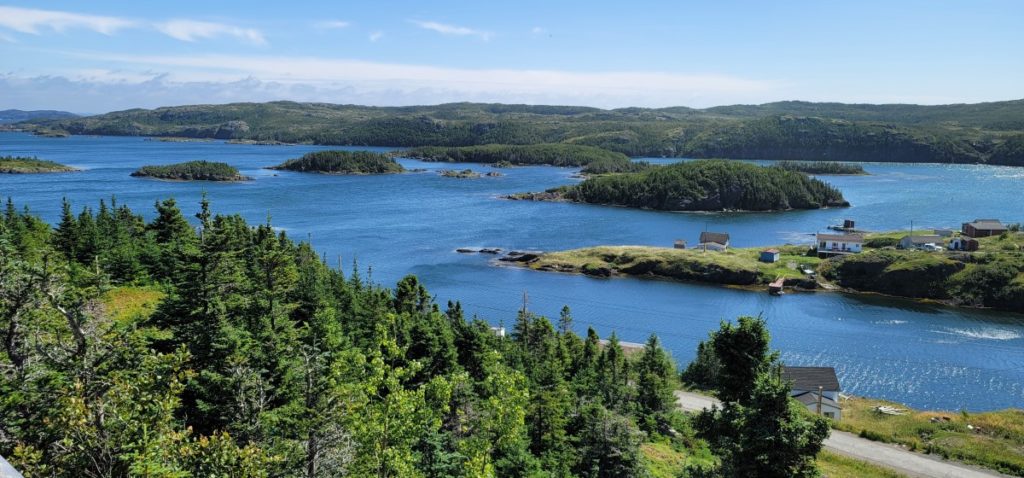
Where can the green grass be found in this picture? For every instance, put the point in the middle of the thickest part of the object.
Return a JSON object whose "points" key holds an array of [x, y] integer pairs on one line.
{"points": [[838, 466], [19, 165], [128, 303], [664, 460], [995, 439], [734, 266]]}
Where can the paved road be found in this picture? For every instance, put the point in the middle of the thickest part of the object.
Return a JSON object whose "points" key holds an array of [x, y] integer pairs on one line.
{"points": [[890, 456]]}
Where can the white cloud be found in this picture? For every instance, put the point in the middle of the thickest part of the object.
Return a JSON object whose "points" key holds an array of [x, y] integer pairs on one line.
{"points": [[344, 80], [192, 30], [446, 29], [377, 35], [33, 21], [333, 24], [537, 30]]}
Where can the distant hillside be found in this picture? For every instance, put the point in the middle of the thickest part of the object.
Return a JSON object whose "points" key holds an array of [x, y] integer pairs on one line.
{"points": [[17, 116], [788, 130]]}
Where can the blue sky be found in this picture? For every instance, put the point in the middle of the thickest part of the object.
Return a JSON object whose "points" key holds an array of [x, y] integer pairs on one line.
{"points": [[103, 55]]}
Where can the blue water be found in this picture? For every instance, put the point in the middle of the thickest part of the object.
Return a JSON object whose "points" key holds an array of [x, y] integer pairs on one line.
{"points": [[926, 356]]}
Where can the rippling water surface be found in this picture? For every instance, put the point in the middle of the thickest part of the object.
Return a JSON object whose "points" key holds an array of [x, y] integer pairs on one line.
{"points": [[926, 356]]}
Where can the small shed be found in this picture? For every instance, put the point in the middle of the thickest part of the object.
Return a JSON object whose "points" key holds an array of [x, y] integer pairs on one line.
{"points": [[963, 243], [679, 244], [770, 256]]}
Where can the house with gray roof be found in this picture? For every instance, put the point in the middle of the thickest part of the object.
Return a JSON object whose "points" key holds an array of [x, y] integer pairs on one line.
{"points": [[814, 385]]}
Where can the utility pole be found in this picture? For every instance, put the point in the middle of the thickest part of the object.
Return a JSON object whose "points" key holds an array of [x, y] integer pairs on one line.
{"points": [[820, 391]]}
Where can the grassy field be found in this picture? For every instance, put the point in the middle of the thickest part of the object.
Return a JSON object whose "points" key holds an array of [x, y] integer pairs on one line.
{"points": [[125, 303], [735, 266], [664, 461], [838, 466], [993, 439]]}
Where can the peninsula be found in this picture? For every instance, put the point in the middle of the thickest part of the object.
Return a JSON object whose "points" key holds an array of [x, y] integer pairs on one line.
{"points": [[21, 165], [342, 162], [992, 276], [192, 171]]}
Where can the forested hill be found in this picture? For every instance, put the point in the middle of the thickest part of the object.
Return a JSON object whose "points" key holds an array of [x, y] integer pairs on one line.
{"points": [[976, 133], [14, 116]]}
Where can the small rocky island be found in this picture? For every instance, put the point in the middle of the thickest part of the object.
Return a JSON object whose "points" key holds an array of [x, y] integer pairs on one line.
{"points": [[467, 174], [20, 165], [192, 171], [705, 185], [342, 162]]}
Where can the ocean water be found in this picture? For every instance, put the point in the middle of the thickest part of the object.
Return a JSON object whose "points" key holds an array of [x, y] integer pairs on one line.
{"points": [[927, 356]]}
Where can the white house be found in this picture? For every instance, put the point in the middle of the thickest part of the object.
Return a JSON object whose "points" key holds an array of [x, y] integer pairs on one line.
{"points": [[714, 241], [920, 242], [809, 382], [835, 244]]}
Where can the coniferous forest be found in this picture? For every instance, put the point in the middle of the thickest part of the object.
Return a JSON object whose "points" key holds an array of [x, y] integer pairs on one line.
{"points": [[172, 348]]}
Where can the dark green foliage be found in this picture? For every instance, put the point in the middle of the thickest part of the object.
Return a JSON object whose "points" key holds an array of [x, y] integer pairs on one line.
{"points": [[743, 353], [547, 154], [21, 165], [759, 431], [611, 166], [708, 185], [609, 445], [820, 167], [767, 436], [260, 360], [1010, 152], [787, 130], [192, 171], [703, 371], [342, 162]]}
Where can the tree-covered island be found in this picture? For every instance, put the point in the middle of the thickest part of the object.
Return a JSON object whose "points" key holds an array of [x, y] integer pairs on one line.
{"points": [[570, 155], [23, 165], [820, 168], [342, 162], [192, 171], [706, 185]]}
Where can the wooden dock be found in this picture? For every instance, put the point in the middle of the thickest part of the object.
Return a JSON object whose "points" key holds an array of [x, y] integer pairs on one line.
{"points": [[775, 288]]}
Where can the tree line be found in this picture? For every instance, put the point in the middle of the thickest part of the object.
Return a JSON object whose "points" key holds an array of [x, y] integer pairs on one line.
{"points": [[261, 360], [988, 133]]}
